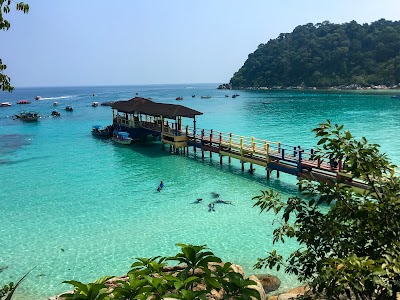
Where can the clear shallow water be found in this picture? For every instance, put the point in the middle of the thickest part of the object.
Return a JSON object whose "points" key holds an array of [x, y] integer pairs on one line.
{"points": [[79, 208]]}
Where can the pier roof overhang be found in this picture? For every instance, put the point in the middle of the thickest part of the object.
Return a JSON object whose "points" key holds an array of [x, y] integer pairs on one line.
{"points": [[151, 108]]}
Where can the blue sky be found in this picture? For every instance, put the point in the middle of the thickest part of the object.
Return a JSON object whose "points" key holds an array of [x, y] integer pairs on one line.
{"points": [[131, 42]]}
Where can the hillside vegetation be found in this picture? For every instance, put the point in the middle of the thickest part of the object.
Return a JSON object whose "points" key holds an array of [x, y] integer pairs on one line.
{"points": [[324, 55]]}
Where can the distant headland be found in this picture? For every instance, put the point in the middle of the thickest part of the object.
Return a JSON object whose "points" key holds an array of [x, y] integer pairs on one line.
{"points": [[347, 56], [350, 87]]}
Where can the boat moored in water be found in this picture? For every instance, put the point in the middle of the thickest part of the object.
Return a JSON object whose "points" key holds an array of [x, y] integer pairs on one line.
{"points": [[55, 113], [101, 131], [24, 102], [205, 97], [121, 137], [30, 116], [179, 98], [55, 103], [4, 104], [69, 108], [95, 104], [108, 103]]}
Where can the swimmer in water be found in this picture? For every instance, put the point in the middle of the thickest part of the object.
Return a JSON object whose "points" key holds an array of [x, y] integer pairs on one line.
{"points": [[198, 200], [211, 206], [160, 186], [214, 195], [223, 201]]}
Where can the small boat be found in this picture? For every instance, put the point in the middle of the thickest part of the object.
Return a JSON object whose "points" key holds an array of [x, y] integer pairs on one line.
{"points": [[226, 96], [205, 97], [178, 98], [121, 137], [193, 96], [4, 104], [395, 96], [28, 116], [234, 96], [101, 131], [69, 108], [55, 113], [55, 103], [108, 103], [94, 104], [24, 102], [38, 98]]}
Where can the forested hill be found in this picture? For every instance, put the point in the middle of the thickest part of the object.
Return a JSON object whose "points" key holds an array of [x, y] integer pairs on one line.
{"points": [[325, 55]]}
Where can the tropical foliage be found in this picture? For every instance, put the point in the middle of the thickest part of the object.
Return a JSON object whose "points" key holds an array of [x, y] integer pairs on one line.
{"points": [[5, 25], [198, 273], [8, 290], [354, 248], [324, 55]]}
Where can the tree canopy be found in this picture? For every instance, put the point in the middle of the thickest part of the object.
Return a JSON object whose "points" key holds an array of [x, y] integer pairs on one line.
{"points": [[324, 55], [354, 248], [5, 8]]}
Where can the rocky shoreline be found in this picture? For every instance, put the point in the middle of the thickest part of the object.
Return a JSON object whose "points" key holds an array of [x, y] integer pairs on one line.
{"points": [[350, 87]]}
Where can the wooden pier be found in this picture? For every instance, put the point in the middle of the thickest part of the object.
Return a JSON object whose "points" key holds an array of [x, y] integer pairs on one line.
{"points": [[142, 117]]}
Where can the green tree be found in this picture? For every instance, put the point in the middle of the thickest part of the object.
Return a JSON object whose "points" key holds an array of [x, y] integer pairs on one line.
{"points": [[354, 248], [325, 54], [5, 8], [8, 290]]}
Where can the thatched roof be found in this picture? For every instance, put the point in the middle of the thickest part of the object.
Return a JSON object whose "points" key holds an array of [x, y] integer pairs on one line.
{"points": [[148, 107]]}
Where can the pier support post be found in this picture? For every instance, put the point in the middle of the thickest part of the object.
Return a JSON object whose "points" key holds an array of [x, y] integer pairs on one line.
{"points": [[202, 153], [170, 148], [220, 159], [194, 149], [229, 159], [242, 166], [277, 174], [268, 173]]}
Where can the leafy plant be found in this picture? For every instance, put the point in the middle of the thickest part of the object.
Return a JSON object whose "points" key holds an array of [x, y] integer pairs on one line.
{"points": [[5, 25], [194, 257], [192, 279], [353, 249], [93, 291], [8, 290]]}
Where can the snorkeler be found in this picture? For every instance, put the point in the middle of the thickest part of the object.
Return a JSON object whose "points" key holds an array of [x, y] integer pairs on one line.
{"points": [[214, 195], [160, 186], [211, 206], [223, 201], [198, 200]]}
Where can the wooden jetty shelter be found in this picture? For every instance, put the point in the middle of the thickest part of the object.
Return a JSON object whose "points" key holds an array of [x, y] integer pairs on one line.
{"points": [[142, 118]]}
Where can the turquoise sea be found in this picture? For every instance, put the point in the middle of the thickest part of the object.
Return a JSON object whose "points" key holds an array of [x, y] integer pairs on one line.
{"points": [[76, 207]]}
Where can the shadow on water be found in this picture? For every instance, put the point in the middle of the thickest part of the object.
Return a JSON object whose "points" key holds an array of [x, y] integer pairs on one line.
{"points": [[12, 142], [148, 149], [13, 162]]}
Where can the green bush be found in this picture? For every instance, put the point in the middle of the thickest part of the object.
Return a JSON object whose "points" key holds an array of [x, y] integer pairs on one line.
{"points": [[354, 248]]}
